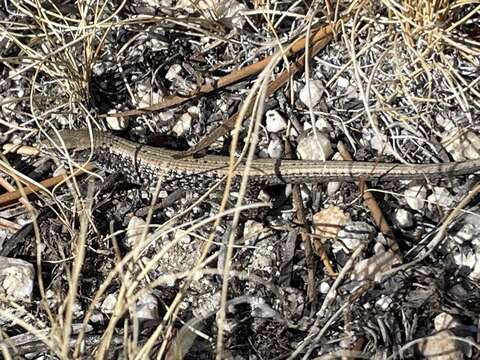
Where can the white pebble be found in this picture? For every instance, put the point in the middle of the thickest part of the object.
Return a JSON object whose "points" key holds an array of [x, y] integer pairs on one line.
{"points": [[343, 82], [314, 147], [415, 196], [173, 72], [275, 149], [183, 124], [404, 218], [470, 260], [462, 144], [182, 236], [384, 303], [324, 287], [135, 229], [323, 125], [275, 121], [166, 116], [117, 123], [440, 197], [445, 321], [108, 304], [316, 92], [146, 308], [333, 187]]}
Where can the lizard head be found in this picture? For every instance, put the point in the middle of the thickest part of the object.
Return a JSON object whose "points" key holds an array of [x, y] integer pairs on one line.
{"points": [[57, 143]]}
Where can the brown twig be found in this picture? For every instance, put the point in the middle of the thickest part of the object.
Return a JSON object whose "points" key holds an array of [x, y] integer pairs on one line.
{"points": [[302, 220], [372, 204], [10, 188], [7, 224], [297, 46], [274, 85], [21, 149], [11, 197]]}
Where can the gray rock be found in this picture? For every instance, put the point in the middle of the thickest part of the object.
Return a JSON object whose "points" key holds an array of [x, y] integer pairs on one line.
{"points": [[16, 279], [440, 346], [146, 308], [314, 147], [440, 197]]}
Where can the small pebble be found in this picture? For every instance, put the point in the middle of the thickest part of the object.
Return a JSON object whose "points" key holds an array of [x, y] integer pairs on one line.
{"points": [[324, 287], [166, 116], [415, 196], [232, 14], [440, 197], [343, 82], [16, 279], [440, 346], [445, 321], [316, 92], [470, 260], [252, 230], [384, 303], [314, 147], [146, 308], [117, 123], [462, 144], [135, 229], [183, 125], [108, 304], [403, 218], [468, 231], [173, 72], [275, 122], [182, 236], [275, 149]]}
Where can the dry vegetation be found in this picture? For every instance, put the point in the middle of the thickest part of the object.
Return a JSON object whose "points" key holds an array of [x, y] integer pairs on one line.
{"points": [[413, 66]]}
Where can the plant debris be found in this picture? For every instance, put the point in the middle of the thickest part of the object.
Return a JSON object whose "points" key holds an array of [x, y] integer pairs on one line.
{"points": [[97, 266]]}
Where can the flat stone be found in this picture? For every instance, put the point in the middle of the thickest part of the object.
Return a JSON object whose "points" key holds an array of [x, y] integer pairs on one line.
{"points": [[440, 346], [314, 147], [462, 144]]}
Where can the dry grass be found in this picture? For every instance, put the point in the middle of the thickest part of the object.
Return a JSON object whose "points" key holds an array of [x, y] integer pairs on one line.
{"points": [[57, 48]]}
